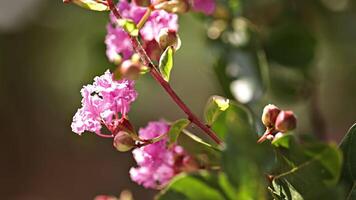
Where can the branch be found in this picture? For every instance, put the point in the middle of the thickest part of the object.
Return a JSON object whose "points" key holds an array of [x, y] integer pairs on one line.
{"points": [[158, 77]]}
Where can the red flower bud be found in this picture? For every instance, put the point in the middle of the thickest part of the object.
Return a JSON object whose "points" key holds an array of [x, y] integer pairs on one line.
{"points": [[169, 38], [130, 70], [269, 115], [286, 121], [153, 50], [143, 3], [123, 142], [173, 6]]}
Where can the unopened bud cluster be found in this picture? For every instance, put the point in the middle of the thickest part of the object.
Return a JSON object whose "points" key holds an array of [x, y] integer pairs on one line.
{"points": [[279, 120]]}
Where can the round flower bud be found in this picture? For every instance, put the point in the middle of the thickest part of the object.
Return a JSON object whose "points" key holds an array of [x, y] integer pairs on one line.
{"points": [[173, 6], [286, 121], [143, 3], [168, 38], [152, 49], [123, 142], [269, 115], [130, 70]]}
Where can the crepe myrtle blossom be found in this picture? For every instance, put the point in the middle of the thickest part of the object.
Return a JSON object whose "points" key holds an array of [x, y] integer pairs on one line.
{"points": [[118, 42], [158, 163], [102, 102]]}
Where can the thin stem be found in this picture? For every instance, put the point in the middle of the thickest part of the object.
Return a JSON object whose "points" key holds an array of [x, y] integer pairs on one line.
{"points": [[104, 136], [351, 191], [144, 18], [191, 116], [158, 77]]}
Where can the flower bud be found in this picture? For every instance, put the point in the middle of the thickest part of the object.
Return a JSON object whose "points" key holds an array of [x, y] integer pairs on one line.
{"points": [[123, 142], [168, 38], [152, 49], [143, 3], [286, 121], [173, 6], [130, 70], [269, 115]]}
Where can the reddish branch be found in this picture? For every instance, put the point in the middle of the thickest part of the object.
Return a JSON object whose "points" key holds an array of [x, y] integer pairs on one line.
{"points": [[158, 77]]}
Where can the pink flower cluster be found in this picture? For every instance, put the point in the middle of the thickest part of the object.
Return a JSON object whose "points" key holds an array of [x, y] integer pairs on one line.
{"points": [[102, 101], [157, 163], [118, 42]]}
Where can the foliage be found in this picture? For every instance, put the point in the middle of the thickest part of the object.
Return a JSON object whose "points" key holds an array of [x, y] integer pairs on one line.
{"points": [[236, 163]]}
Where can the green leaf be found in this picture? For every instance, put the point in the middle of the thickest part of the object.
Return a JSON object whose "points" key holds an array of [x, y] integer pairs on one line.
{"points": [[166, 63], [205, 153], [243, 160], [312, 168], [348, 147], [92, 5], [283, 141], [235, 115], [214, 107], [330, 159], [282, 189], [129, 26], [176, 128], [291, 44], [192, 187]]}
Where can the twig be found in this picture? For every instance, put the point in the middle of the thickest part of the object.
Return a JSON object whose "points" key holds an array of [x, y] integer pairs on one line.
{"points": [[158, 77]]}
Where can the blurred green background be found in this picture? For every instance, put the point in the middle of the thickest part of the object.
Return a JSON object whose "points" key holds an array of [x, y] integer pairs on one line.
{"points": [[49, 50]]}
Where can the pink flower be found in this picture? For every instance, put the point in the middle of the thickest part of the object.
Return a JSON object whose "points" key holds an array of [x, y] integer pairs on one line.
{"points": [[118, 42], [102, 101], [205, 6], [157, 164]]}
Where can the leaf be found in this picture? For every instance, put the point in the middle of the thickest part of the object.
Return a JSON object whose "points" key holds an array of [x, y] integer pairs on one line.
{"points": [[283, 141], [176, 128], [166, 63], [348, 147], [291, 44], [129, 26], [95, 5], [312, 168], [243, 160], [198, 140], [282, 189], [205, 153], [236, 115], [191, 187], [330, 159], [214, 107]]}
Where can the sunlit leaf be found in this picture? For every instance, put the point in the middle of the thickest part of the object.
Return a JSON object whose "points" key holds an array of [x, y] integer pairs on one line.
{"points": [[192, 187], [202, 185], [214, 107], [283, 190], [95, 5], [129, 26], [236, 115], [166, 63], [176, 128], [283, 141]]}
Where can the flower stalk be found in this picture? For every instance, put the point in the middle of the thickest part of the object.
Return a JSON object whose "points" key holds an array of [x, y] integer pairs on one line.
{"points": [[158, 77]]}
